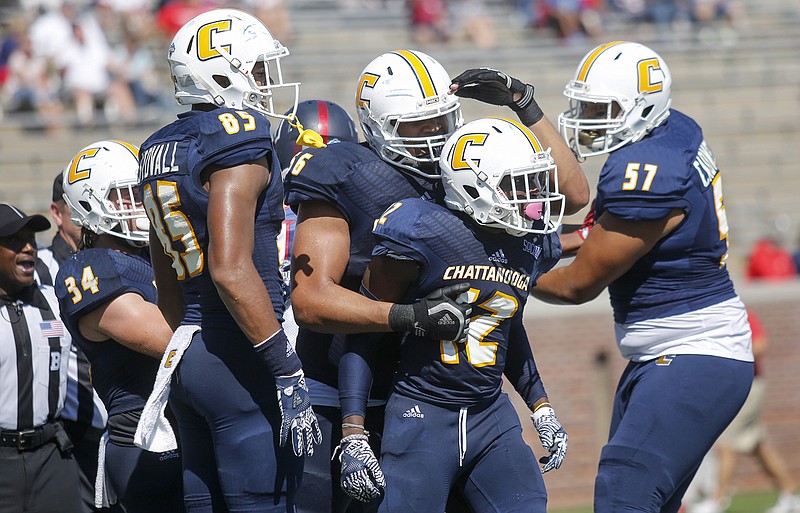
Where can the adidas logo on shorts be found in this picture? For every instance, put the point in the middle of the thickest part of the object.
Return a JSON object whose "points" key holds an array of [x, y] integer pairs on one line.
{"points": [[414, 412]]}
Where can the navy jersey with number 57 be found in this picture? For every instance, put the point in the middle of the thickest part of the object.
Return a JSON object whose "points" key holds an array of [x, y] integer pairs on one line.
{"points": [[451, 248], [672, 168], [171, 163], [87, 280]]}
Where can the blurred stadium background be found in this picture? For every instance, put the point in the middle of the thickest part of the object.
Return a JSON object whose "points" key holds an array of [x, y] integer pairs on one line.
{"points": [[739, 78]]}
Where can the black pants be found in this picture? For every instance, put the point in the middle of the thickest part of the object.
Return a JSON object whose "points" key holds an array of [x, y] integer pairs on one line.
{"points": [[41, 479]]}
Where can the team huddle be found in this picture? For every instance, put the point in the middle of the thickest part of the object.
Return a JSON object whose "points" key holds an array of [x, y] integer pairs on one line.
{"points": [[280, 317]]}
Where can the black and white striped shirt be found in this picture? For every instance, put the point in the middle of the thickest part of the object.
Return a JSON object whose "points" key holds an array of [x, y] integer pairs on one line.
{"points": [[82, 404], [34, 349]]}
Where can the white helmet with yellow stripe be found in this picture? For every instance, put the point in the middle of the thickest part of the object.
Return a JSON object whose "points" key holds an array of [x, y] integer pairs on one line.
{"points": [[227, 57], [100, 188], [496, 171], [404, 109], [620, 92]]}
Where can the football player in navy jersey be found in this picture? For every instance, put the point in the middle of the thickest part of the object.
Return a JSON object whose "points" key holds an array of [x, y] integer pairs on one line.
{"points": [[320, 491], [659, 243], [406, 113], [448, 423], [211, 186], [338, 192], [108, 303]]}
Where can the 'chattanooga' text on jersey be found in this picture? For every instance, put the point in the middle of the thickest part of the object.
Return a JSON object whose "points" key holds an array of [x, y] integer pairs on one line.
{"points": [[488, 273]]}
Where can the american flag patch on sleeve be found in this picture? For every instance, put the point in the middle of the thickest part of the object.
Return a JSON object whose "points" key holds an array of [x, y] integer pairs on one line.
{"points": [[52, 329]]}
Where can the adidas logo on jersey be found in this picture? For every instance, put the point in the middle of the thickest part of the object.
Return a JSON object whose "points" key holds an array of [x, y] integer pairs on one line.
{"points": [[498, 257], [414, 412], [446, 320]]}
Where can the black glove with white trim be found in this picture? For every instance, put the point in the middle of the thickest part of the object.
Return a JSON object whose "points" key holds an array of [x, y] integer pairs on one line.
{"points": [[438, 315], [495, 87]]}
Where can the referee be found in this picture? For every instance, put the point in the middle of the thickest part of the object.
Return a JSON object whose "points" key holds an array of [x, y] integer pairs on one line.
{"points": [[37, 471], [84, 415]]}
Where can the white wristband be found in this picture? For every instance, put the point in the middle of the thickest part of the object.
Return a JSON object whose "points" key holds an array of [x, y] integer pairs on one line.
{"points": [[544, 411]]}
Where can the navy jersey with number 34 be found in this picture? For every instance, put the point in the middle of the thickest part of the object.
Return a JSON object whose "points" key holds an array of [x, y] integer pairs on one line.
{"points": [[171, 163], [672, 168], [93, 277], [451, 248]]}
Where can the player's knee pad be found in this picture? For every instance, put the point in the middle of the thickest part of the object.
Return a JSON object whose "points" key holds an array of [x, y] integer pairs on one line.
{"points": [[630, 480]]}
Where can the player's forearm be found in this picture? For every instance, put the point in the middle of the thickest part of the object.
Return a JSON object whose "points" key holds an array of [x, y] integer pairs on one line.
{"points": [[331, 308], [572, 181], [556, 287], [247, 300]]}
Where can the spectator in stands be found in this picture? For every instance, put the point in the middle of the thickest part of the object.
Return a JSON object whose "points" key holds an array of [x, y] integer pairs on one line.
{"points": [[730, 11], [133, 69], [28, 86], [275, 15], [567, 17], [429, 21], [747, 435], [471, 21], [796, 258], [174, 14], [769, 260]]}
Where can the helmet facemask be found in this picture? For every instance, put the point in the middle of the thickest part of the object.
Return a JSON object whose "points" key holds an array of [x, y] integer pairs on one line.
{"points": [[418, 153], [405, 110], [100, 187], [518, 200], [620, 93], [114, 211]]}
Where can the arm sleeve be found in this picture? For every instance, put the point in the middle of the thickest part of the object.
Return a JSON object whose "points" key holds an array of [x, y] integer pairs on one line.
{"points": [[355, 369], [521, 368]]}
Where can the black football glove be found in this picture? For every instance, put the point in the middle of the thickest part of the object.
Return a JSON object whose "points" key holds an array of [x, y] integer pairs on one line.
{"points": [[437, 315], [495, 87]]}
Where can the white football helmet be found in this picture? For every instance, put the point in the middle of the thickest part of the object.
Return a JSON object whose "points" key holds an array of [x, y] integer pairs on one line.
{"points": [[496, 171], [213, 59], [621, 91], [100, 187], [403, 87]]}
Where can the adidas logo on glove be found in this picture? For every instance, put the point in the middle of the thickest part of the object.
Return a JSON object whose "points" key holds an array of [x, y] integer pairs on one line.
{"points": [[414, 412], [446, 319]]}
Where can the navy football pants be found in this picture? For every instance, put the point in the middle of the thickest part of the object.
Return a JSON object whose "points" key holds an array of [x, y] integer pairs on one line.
{"points": [[421, 459], [665, 419], [226, 407], [145, 482]]}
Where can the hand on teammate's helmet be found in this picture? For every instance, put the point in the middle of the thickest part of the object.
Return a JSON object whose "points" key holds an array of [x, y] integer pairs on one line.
{"points": [[297, 416], [553, 437], [362, 477], [495, 87], [438, 315]]}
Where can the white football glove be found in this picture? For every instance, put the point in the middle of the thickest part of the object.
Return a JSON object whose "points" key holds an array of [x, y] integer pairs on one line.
{"points": [[552, 436]]}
